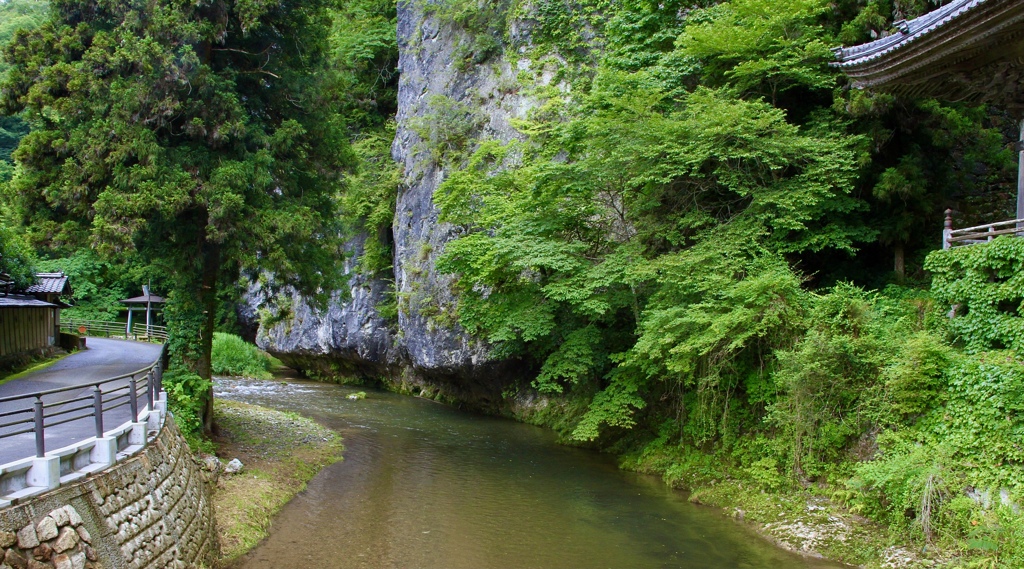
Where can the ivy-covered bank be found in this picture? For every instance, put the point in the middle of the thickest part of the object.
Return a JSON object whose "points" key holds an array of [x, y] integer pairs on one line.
{"points": [[878, 431]]}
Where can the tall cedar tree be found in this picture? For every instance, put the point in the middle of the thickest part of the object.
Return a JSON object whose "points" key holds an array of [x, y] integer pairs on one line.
{"points": [[192, 133]]}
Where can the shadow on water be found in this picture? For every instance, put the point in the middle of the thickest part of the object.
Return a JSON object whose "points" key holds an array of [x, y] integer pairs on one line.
{"points": [[425, 486]]}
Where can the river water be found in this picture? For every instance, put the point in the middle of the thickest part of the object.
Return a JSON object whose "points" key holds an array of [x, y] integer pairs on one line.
{"points": [[426, 486]]}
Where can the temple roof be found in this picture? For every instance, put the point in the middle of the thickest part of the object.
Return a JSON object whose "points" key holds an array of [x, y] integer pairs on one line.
{"points": [[49, 283], [966, 50]]}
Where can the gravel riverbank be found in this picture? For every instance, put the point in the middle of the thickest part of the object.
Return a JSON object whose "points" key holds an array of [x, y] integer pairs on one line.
{"points": [[280, 452]]}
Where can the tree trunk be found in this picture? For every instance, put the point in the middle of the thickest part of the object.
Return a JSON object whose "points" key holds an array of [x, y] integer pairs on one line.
{"points": [[899, 264], [208, 297], [1020, 176]]}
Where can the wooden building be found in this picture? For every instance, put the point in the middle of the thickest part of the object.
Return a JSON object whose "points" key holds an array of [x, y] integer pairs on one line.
{"points": [[50, 287], [30, 319], [27, 325], [967, 50]]}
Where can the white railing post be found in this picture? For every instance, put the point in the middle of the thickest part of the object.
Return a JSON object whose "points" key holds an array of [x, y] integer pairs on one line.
{"points": [[947, 230]]}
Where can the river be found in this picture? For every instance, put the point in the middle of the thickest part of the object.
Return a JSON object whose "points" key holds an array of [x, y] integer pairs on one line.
{"points": [[426, 486]]}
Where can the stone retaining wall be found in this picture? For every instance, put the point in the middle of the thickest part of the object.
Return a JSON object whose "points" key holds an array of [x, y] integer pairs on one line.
{"points": [[151, 511]]}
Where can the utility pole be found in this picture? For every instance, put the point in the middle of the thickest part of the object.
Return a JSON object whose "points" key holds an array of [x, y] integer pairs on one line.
{"points": [[149, 304]]}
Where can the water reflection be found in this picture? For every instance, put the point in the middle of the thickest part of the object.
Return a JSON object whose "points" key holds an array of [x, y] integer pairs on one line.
{"points": [[426, 486]]}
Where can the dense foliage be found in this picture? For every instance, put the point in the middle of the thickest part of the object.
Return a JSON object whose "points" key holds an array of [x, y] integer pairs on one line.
{"points": [[195, 137], [985, 287], [17, 260], [15, 15], [363, 62], [234, 356], [683, 235]]}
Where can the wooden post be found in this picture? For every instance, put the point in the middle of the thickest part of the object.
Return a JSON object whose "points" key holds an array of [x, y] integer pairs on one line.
{"points": [[947, 230], [1020, 176]]}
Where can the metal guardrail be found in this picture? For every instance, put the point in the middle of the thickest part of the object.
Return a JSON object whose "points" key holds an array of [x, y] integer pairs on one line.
{"points": [[979, 233], [149, 333], [36, 412], [105, 395], [106, 329]]}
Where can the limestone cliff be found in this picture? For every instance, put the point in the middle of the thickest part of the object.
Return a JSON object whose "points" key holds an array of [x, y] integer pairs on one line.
{"points": [[425, 345]]}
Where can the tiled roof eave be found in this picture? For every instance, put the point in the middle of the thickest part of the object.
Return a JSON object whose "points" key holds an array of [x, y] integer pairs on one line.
{"points": [[973, 52], [910, 32], [49, 283], [21, 301]]}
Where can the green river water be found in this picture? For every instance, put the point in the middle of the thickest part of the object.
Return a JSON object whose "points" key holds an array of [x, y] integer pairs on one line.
{"points": [[426, 486]]}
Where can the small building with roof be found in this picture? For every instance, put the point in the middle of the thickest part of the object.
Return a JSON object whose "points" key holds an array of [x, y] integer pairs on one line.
{"points": [[966, 50], [50, 287], [148, 302], [30, 318]]}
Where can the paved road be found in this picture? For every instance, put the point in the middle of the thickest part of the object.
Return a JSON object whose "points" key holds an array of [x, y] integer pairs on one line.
{"points": [[104, 358]]}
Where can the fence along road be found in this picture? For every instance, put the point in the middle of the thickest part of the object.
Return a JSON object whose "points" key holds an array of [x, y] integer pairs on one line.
{"points": [[104, 359]]}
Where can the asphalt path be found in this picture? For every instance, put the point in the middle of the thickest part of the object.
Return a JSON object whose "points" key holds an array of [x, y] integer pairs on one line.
{"points": [[104, 358]]}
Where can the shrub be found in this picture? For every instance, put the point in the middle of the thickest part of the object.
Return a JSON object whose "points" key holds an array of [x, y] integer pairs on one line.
{"points": [[234, 356], [186, 395], [985, 284], [918, 481], [906, 487]]}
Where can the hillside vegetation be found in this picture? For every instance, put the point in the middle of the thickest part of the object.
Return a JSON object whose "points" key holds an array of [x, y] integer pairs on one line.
{"points": [[695, 242], [718, 259]]}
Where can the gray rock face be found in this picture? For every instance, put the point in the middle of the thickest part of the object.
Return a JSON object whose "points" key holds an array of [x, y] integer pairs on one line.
{"points": [[349, 330], [427, 345], [428, 50]]}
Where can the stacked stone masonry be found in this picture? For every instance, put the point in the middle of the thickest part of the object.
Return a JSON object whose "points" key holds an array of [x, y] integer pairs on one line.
{"points": [[152, 511]]}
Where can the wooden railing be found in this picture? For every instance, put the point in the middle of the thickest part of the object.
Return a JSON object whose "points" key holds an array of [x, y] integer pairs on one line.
{"points": [[114, 329], [149, 333], [979, 233]]}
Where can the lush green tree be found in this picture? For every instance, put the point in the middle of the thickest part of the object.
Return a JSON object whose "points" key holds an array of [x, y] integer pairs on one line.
{"points": [[364, 88], [17, 259], [601, 255], [194, 135], [98, 284], [916, 157], [364, 62], [19, 15], [15, 15]]}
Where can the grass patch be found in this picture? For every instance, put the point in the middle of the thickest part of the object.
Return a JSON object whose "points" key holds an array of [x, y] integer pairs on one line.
{"points": [[234, 356], [31, 367], [281, 453]]}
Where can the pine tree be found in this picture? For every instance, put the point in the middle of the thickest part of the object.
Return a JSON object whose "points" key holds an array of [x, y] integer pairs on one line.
{"points": [[191, 133]]}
